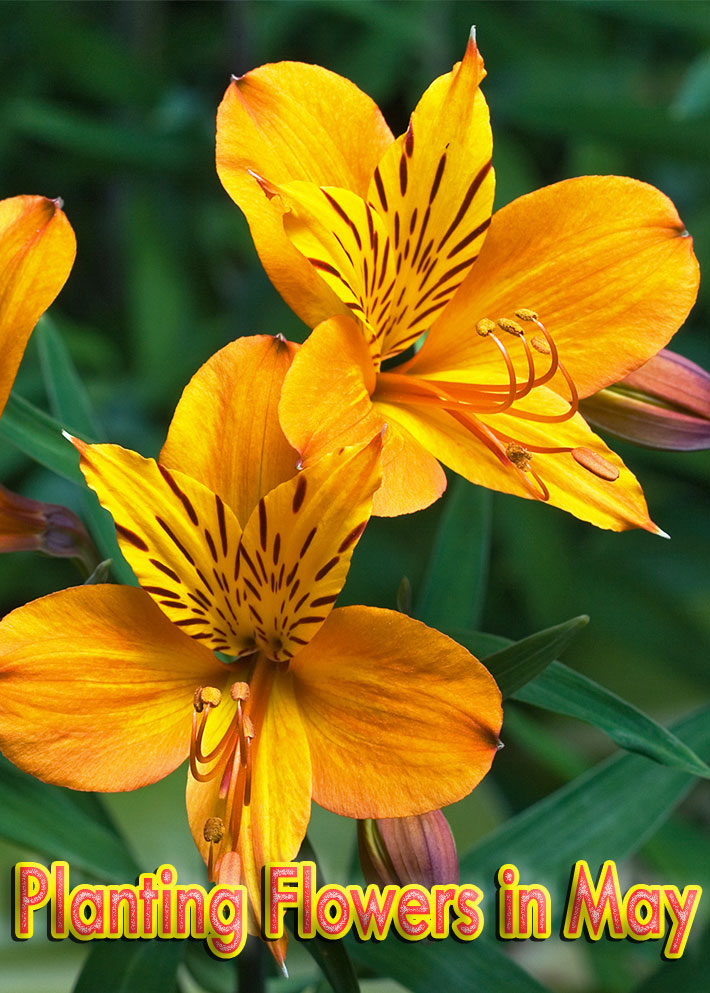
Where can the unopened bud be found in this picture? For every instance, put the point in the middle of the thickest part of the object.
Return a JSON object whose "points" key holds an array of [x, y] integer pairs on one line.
{"points": [[665, 404], [31, 525], [401, 850]]}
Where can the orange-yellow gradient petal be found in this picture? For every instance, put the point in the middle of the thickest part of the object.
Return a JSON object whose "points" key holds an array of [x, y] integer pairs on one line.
{"points": [[179, 537], [325, 403], [291, 121], [297, 546], [225, 429], [96, 688], [606, 263], [37, 249], [400, 719], [434, 190]]}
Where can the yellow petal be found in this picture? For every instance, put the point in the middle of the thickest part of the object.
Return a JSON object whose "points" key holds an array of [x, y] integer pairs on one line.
{"points": [[434, 189], [274, 824], [225, 429], [37, 249], [97, 688], [179, 537], [325, 403], [297, 545], [616, 505], [400, 719], [292, 121], [606, 263]]}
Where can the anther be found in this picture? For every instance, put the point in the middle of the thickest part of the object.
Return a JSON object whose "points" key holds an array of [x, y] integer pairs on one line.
{"points": [[525, 314], [213, 829], [540, 345], [248, 727], [518, 455], [595, 463], [206, 695], [512, 327], [485, 327], [240, 691]]}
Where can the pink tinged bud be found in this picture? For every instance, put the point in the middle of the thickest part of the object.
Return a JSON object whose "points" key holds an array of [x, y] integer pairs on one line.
{"points": [[401, 850], [664, 404], [31, 525]]}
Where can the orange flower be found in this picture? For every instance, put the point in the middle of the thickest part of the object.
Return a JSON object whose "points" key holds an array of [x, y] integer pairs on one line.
{"points": [[108, 688], [377, 241]]}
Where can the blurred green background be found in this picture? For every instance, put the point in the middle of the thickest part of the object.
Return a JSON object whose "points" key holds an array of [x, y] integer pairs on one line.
{"points": [[112, 105]]}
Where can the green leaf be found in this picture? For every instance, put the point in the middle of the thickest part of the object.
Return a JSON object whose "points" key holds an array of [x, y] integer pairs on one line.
{"points": [[608, 813], [565, 691], [40, 437], [454, 585], [472, 967], [59, 823], [67, 396], [126, 966], [519, 662]]}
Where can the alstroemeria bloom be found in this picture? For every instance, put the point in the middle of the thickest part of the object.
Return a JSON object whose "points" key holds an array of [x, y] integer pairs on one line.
{"points": [[368, 712], [377, 241]]}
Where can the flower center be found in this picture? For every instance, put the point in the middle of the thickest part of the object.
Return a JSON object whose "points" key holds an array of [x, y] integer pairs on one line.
{"points": [[470, 404]]}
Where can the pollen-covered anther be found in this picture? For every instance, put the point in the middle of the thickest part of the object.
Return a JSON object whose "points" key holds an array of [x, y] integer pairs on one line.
{"points": [[213, 830], [518, 455], [248, 727], [512, 327], [525, 314], [205, 695], [240, 691], [595, 463], [485, 326], [540, 344]]}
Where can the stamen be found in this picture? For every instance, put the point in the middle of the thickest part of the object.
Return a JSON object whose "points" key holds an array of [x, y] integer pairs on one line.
{"points": [[485, 327], [512, 327], [206, 696], [540, 345], [595, 463], [525, 314], [519, 456], [240, 691], [213, 830]]}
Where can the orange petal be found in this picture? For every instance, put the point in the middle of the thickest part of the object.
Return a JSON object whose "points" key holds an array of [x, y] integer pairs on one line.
{"points": [[292, 121], [325, 403], [178, 536], [606, 263], [37, 249], [97, 688], [297, 545], [400, 719], [225, 429], [434, 189], [614, 505], [274, 823]]}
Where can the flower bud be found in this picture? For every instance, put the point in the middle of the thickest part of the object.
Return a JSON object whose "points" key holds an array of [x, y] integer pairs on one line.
{"points": [[402, 850], [665, 404], [30, 525]]}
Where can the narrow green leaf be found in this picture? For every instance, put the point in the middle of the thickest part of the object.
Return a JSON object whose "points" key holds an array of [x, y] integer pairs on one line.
{"points": [[471, 967], [687, 973], [565, 691], [59, 823], [126, 966], [67, 396], [608, 813], [454, 587], [515, 665], [40, 437]]}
